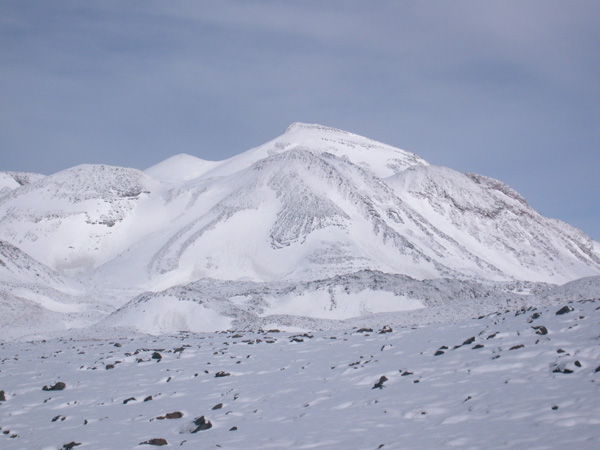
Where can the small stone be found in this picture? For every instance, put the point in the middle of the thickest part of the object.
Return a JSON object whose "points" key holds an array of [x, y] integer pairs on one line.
{"points": [[156, 441], [70, 445], [597, 369], [217, 406], [541, 330], [109, 366], [147, 399], [57, 387], [233, 429], [201, 424], [477, 346], [156, 356], [174, 415], [577, 363], [554, 408], [469, 341], [127, 400], [222, 374], [2, 397], [379, 384], [516, 347], [564, 310], [438, 353]]}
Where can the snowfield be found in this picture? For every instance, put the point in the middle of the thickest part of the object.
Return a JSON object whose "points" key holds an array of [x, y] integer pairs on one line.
{"points": [[524, 379]]}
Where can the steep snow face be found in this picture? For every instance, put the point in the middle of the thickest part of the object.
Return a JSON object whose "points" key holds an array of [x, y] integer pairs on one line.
{"points": [[497, 225], [76, 219]]}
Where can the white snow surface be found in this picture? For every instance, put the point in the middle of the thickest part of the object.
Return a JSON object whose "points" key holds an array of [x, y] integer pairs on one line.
{"points": [[521, 379]]}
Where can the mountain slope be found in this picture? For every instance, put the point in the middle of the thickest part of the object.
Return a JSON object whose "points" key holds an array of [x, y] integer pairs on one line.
{"points": [[313, 204]]}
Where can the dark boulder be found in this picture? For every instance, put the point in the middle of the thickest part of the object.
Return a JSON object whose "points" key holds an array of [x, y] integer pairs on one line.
{"points": [[57, 387]]}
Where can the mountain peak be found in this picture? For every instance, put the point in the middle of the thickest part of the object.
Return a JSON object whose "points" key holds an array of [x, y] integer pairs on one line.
{"points": [[300, 126]]}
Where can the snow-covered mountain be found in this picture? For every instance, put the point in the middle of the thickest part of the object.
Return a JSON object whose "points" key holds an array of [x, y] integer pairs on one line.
{"points": [[315, 205]]}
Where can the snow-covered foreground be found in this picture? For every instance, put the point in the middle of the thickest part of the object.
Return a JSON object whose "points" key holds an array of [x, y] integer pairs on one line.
{"points": [[528, 379]]}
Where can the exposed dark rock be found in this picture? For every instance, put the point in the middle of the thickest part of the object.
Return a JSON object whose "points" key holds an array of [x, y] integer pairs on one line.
{"points": [[70, 445], [516, 347], [438, 353], [564, 310], [477, 346], [577, 363], [492, 336], [109, 366], [379, 384], [385, 329], [233, 429], [2, 397], [364, 330], [469, 341], [201, 424], [147, 399], [554, 408], [130, 399], [156, 441], [405, 373], [222, 374], [156, 356], [541, 330], [174, 415], [217, 406], [57, 387], [597, 369], [297, 339]]}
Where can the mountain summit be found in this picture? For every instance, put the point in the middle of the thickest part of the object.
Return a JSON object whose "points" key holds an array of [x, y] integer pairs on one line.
{"points": [[315, 203]]}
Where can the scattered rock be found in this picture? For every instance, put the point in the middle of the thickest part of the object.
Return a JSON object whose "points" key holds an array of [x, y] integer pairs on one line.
{"points": [[57, 387], [147, 399], [201, 424], [109, 366], [554, 408], [477, 346], [438, 353], [222, 374], [405, 373], [174, 415], [564, 310], [233, 429], [516, 347], [379, 384], [385, 329], [577, 363], [541, 330], [156, 356], [217, 406], [597, 369], [130, 399], [156, 441], [2, 397], [59, 417], [70, 445], [469, 341]]}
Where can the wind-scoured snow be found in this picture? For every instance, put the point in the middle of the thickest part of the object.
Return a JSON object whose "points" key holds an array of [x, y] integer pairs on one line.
{"points": [[528, 378]]}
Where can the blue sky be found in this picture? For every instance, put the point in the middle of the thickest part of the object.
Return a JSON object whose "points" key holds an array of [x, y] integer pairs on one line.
{"points": [[507, 89]]}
